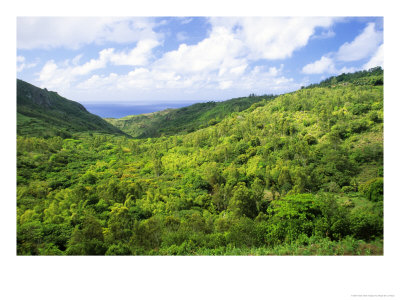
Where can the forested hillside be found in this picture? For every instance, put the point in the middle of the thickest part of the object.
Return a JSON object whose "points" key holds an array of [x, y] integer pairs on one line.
{"points": [[301, 174], [44, 113], [185, 119], [373, 76]]}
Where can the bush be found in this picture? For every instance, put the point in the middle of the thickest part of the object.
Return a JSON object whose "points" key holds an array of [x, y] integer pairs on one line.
{"points": [[119, 249], [290, 217], [334, 222], [373, 189], [348, 189], [243, 233], [367, 223], [310, 139]]}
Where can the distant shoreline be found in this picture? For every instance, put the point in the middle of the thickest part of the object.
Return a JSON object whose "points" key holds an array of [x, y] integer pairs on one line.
{"points": [[122, 110]]}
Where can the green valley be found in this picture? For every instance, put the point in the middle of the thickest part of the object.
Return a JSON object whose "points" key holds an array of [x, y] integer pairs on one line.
{"points": [[185, 119], [296, 174]]}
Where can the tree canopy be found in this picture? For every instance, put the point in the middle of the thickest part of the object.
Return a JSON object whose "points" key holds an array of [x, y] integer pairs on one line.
{"points": [[298, 174]]}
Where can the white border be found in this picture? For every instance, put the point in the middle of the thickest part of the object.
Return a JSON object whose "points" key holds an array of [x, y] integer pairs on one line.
{"points": [[198, 277]]}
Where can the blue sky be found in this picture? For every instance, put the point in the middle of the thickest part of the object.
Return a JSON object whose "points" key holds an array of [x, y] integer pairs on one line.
{"points": [[145, 60]]}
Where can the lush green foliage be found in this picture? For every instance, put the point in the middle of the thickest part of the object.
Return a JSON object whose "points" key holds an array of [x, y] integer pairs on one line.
{"points": [[298, 175], [46, 114], [186, 119], [373, 76]]}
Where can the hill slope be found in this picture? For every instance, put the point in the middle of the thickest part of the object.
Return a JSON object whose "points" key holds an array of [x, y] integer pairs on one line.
{"points": [[201, 115], [183, 120], [373, 76], [44, 113], [301, 174]]}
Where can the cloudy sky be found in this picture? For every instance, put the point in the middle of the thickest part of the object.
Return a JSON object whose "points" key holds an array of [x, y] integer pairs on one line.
{"points": [[187, 59]]}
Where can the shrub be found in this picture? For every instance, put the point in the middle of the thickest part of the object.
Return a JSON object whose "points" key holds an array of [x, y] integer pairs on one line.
{"points": [[373, 189], [367, 222], [119, 249]]}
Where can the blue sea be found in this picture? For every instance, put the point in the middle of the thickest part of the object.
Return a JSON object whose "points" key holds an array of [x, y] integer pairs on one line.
{"points": [[123, 110]]}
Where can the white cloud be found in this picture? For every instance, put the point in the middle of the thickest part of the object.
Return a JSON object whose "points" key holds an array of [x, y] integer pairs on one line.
{"points": [[138, 56], [223, 85], [223, 61], [324, 34], [347, 70], [376, 60], [97, 82], [63, 75], [94, 64], [324, 65], [76, 59], [208, 55], [52, 77], [181, 36], [74, 32], [165, 83], [362, 46], [21, 64], [272, 38]]}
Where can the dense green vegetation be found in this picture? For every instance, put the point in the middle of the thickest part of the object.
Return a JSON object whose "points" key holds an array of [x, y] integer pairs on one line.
{"points": [[185, 119], [373, 76], [44, 113], [301, 174]]}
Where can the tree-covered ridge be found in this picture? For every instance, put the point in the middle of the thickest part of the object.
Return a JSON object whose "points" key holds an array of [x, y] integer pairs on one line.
{"points": [[372, 76], [44, 113], [185, 119], [301, 174]]}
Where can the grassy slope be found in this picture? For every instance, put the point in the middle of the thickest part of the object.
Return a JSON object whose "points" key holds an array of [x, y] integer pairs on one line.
{"points": [[182, 120], [44, 113]]}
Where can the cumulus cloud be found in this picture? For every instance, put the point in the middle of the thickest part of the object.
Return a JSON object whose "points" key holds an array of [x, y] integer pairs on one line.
{"points": [[324, 65], [52, 77], [208, 55], [272, 38], [376, 60], [22, 64], [225, 55], [74, 32], [167, 82], [61, 76], [227, 58], [327, 34], [94, 64], [362, 46], [138, 56], [347, 70]]}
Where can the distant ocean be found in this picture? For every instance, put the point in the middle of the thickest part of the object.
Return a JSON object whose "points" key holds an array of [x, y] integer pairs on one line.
{"points": [[123, 110]]}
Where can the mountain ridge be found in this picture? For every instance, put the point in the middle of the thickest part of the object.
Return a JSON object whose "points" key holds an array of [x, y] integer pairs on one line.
{"points": [[186, 119], [45, 113]]}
